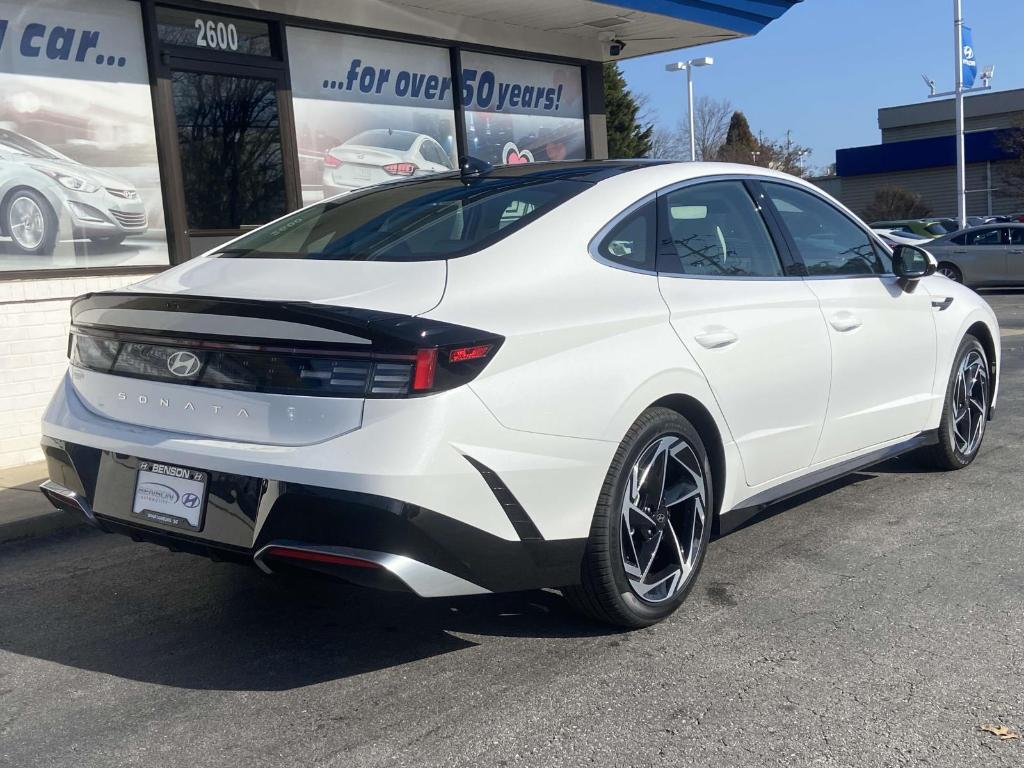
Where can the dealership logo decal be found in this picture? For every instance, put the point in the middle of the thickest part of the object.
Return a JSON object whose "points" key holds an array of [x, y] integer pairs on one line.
{"points": [[512, 155], [190, 501], [158, 493], [183, 363]]}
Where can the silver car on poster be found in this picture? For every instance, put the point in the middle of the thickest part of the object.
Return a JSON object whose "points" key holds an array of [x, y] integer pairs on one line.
{"points": [[43, 193], [989, 255], [380, 155]]}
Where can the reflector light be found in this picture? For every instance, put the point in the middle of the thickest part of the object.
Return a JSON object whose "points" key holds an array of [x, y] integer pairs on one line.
{"points": [[331, 161], [468, 353], [400, 169], [319, 557], [426, 365]]}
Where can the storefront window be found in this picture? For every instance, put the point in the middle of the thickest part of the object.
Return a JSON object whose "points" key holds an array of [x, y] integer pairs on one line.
{"points": [[230, 145], [368, 111], [79, 180], [212, 32], [520, 111]]}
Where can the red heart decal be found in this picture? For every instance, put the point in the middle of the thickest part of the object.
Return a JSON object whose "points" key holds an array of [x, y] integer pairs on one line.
{"points": [[514, 156]]}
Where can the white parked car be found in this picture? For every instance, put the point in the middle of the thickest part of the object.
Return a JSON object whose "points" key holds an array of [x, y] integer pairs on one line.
{"points": [[894, 237], [380, 155], [556, 375]]}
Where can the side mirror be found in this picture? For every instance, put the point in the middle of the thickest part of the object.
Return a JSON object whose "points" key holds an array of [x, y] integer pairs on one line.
{"points": [[910, 263]]}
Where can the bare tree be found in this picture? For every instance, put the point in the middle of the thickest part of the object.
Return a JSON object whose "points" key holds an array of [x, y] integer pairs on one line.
{"points": [[895, 203], [710, 124]]}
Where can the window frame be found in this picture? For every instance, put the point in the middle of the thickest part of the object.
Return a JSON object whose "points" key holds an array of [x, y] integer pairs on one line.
{"points": [[873, 239]]}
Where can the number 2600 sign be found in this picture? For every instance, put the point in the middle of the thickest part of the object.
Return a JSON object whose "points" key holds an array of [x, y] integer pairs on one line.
{"points": [[216, 34]]}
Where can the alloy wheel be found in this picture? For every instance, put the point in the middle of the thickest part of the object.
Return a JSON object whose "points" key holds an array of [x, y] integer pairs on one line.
{"points": [[664, 514], [970, 403], [949, 272], [26, 223]]}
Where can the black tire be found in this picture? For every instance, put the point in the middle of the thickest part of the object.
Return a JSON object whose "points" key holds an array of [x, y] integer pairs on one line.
{"points": [[109, 242], [946, 454], [48, 239], [952, 271], [604, 592]]}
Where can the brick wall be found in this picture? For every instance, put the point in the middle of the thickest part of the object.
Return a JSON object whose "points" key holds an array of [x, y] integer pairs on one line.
{"points": [[33, 354]]}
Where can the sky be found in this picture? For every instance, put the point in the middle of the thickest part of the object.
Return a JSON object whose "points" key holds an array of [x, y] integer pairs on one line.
{"points": [[825, 67]]}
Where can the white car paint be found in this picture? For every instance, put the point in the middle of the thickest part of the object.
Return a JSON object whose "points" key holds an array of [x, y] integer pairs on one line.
{"points": [[795, 374]]}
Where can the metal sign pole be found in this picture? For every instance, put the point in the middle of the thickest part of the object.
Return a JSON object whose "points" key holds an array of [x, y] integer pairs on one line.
{"points": [[961, 166]]}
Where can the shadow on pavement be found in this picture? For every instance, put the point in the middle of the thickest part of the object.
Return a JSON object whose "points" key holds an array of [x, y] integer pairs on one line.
{"points": [[182, 621]]}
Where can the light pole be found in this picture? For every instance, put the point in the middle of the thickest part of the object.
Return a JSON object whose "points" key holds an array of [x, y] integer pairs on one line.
{"points": [[679, 66], [962, 58]]}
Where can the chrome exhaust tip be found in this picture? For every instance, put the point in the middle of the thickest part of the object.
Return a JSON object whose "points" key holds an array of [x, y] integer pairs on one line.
{"points": [[67, 500]]}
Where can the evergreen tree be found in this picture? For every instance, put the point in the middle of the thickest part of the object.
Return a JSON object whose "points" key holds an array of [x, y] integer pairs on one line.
{"points": [[740, 145], [627, 135]]}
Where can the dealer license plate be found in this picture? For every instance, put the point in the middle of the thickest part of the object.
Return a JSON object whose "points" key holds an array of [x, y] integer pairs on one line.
{"points": [[170, 495]]}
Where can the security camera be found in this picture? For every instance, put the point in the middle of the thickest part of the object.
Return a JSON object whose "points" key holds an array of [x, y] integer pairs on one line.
{"points": [[616, 46]]}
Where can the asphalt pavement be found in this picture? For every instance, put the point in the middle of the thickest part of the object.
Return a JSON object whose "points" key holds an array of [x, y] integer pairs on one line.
{"points": [[876, 622]]}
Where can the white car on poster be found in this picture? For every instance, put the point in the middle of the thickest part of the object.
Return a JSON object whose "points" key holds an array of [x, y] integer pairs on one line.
{"points": [[544, 375], [381, 155]]}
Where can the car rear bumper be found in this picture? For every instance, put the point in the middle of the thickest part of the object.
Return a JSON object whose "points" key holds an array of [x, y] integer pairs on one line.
{"points": [[362, 537]]}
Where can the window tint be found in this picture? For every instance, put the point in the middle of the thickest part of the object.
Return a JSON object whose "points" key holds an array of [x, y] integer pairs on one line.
{"points": [[714, 229], [631, 241], [984, 237], [437, 218], [385, 139], [1017, 236], [828, 240]]}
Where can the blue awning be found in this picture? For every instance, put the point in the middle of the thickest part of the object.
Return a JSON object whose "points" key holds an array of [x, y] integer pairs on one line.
{"points": [[979, 147], [748, 17]]}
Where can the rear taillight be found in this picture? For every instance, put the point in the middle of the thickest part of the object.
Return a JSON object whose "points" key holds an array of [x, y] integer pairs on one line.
{"points": [[400, 169], [331, 161], [281, 369]]}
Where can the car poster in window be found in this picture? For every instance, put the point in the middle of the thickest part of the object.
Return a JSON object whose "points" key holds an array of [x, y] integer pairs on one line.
{"points": [[79, 180], [368, 111], [521, 111]]}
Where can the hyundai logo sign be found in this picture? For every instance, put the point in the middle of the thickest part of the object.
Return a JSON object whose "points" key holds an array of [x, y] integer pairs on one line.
{"points": [[183, 363]]}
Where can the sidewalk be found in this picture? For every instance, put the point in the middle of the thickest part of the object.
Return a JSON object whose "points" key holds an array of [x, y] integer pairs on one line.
{"points": [[24, 511]]}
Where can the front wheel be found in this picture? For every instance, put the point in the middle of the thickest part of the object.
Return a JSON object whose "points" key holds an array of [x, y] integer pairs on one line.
{"points": [[651, 525], [965, 411], [30, 222]]}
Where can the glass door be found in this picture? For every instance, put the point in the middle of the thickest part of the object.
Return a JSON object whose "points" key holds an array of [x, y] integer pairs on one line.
{"points": [[224, 94]]}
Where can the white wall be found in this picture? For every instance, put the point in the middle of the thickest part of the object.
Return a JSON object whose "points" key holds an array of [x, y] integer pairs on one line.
{"points": [[34, 323]]}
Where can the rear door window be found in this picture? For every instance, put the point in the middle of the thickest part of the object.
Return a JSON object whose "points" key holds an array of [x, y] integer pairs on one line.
{"points": [[714, 229]]}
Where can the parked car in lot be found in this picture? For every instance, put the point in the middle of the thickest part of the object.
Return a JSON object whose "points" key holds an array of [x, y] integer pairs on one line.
{"points": [[41, 189], [894, 237], [924, 227], [551, 375], [982, 256], [380, 155]]}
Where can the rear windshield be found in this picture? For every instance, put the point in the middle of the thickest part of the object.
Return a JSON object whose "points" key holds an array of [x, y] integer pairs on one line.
{"points": [[400, 140], [437, 218], [936, 229]]}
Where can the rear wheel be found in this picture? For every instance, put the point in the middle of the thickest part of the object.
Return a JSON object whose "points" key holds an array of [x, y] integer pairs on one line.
{"points": [[951, 271], [965, 411], [651, 525]]}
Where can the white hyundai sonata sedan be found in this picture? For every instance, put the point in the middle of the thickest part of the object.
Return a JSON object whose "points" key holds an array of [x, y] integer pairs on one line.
{"points": [[557, 375]]}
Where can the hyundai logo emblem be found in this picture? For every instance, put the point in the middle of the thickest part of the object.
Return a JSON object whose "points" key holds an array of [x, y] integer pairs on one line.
{"points": [[190, 501], [183, 363]]}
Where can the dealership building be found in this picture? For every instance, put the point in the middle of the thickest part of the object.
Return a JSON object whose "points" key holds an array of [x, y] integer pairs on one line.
{"points": [[918, 153], [136, 134]]}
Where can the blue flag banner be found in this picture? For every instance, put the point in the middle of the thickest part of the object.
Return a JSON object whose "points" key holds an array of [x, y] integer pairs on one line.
{"points": [[968, 64]]}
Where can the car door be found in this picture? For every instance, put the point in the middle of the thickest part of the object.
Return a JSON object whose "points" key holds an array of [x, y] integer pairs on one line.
{"points": [[752, 326], [981, 255], [882, 337], [1015, 255]]}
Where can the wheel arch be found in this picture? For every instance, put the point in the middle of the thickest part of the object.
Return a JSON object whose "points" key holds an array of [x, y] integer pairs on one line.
{"points": [[983, 334], [697, 414]]}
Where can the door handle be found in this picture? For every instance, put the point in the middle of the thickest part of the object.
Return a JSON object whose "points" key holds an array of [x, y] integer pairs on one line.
{"points": [[845, 321], [960, 251], [1017, 250], [716, 337]]}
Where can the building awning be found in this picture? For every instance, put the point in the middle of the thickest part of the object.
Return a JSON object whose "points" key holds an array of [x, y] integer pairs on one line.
{"points": [[913, 155], [578, 29]]}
